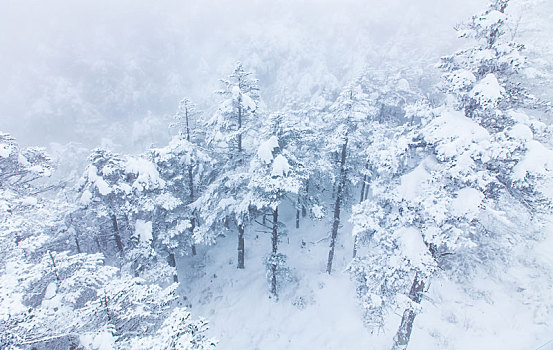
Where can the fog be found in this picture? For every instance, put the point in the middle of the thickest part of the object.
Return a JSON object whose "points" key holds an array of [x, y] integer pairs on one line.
{"points": [[112, 72]]}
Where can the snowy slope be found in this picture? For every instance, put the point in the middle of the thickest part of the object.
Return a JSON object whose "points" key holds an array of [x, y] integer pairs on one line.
{"points": [[319, 311], [315, 312]]}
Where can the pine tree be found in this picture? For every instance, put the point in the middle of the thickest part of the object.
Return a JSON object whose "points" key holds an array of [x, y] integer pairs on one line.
{"points": [[225, 201], [274, 174]]}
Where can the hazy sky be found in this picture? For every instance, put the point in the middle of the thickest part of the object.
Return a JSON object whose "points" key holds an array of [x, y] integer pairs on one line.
{"points": [[79, 70]]}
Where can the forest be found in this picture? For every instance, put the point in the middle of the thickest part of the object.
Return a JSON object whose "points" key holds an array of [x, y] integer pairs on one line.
{"points": [[401, 206]]}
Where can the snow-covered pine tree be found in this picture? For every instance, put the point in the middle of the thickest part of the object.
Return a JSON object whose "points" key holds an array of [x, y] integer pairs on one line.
{"points": [[225, 203], [346, 121], [103, 190], [458, 170], [187, 122], [275, 173], [184, 168]]}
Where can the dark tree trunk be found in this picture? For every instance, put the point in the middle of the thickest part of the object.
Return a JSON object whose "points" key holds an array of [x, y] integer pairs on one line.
{"points": [[240, 246], [363, 197], [77, 244], [173, 263], [239, 127], [191, 189], [192, 227], [298, 213], [55, 268], [339, 195], [303, 208], [116, 234], [275, 251], [187, 125], [404, 332], [363, 185]]}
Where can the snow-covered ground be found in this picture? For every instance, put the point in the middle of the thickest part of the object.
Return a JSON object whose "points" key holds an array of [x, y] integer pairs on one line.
{"points": [[318, 311]]}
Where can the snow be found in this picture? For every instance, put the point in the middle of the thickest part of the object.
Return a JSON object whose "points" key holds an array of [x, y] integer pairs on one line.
{"points": [[147, 174], [412, 183], [102, 186], [5, 150], [460, 79], [538, 161], [280, 166], [412, 245], [51, 290], [403, 85], [86, 197], [314, 311], [29, 201], [493, 17], [143, 230], [487, 91], [521, 132], [236, 92], [456, 134], [101, 341], [265, 151], [467, 202], [317, 211], [248, 102]]}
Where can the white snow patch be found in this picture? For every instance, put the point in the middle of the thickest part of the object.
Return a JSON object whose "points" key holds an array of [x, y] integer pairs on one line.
{"points": [[521, 132], [100, 341], [86, 197], [455, 133], [235, 91], [280, 166], [102, 186], [411, 183], [29, 201], [467, 202], [51, 291], [403, 85], [248, 102], [265, 151], [493, 17], [460, 79], [5, 150], [147, 174], [537, 161], [488, 91], [144, 230], [412, 245]]}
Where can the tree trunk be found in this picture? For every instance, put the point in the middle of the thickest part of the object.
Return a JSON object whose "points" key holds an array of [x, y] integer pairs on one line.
{"points": [[363, 197], [55, 268], [239, 127], [173, 263], [187, 125], [339, 195], [363, 185], [303, 208], [298, 213], [275, 251], [116, 234], [77, 243], [240, 246], [404, 332], [191, 189]]}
